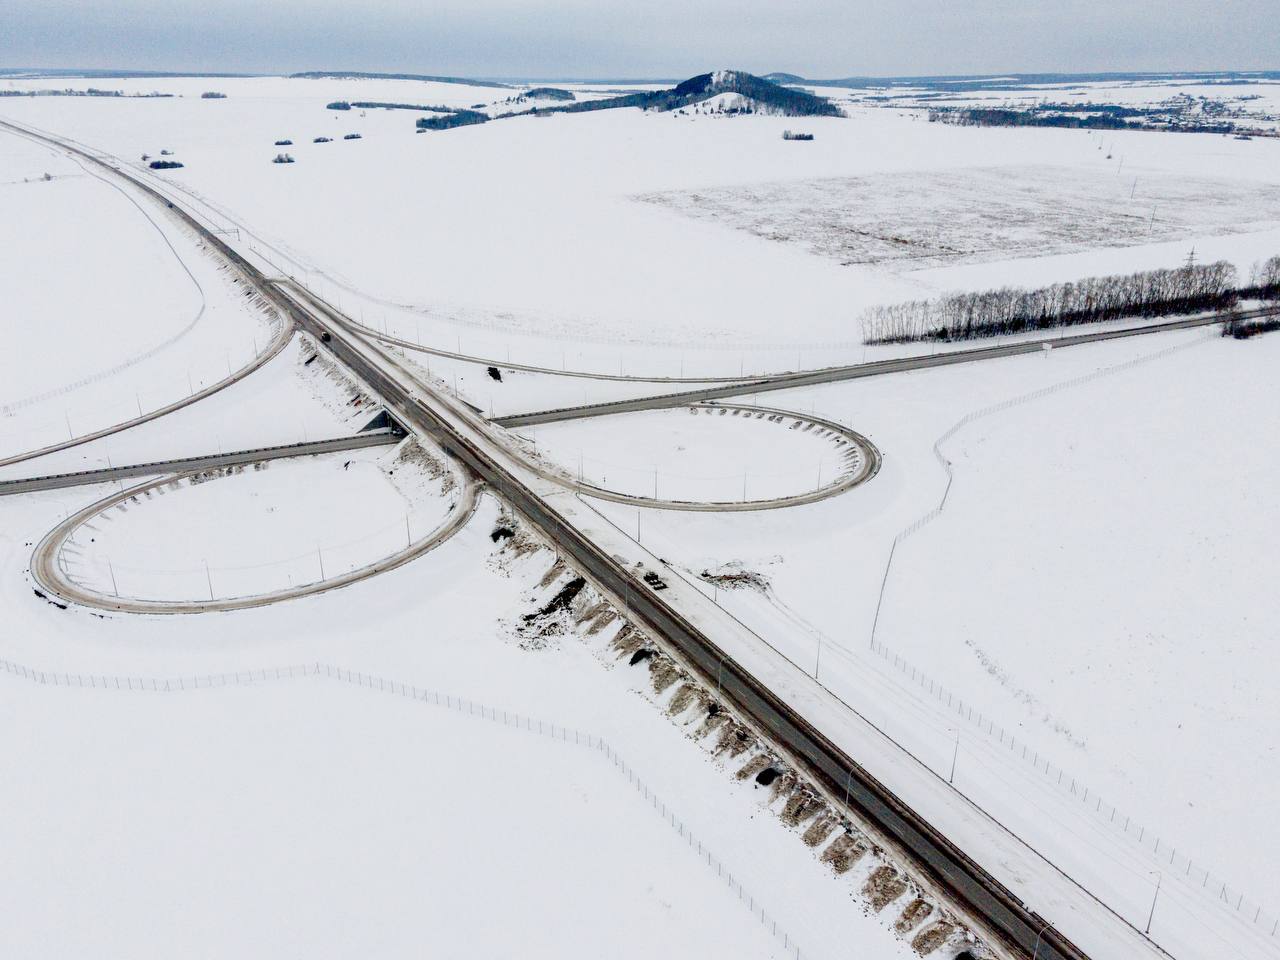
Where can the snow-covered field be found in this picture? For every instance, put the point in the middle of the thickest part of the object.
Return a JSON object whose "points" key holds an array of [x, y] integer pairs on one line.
{"points": [[113, 309], [377, 820], [526, 235], [694, 454], [247, 534], [1084, 630], [1094, 588], [937, 217]]}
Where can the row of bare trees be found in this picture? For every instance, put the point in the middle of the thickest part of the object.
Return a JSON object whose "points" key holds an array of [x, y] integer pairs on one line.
{"points": [[1265, 281], [988, 313]]}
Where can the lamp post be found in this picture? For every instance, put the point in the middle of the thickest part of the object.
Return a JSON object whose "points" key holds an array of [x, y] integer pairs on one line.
{"points": [[1036, 950], [1151, 915]]}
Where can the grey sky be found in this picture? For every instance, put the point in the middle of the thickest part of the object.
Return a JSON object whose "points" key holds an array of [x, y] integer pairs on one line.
{"points": [[626, 38]]}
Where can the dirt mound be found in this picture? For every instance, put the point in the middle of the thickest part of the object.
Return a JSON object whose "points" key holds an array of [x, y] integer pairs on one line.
{"points": [[731, 578], [912, 915], [735, 740], [819, 830], [561, 600], [883, 887], [932, 937], [843, 852], [663, 672], [754, 767], [683, 699], [800, 807], [627, 642]]}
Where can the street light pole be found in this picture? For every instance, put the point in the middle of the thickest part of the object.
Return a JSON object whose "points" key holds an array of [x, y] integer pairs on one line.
{"points": [[1035, 952], [956, 753], [1151, 915]]}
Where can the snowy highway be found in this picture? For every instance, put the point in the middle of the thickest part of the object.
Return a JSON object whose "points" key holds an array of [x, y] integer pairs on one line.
{"points": [[804, 378], [982, 900]]}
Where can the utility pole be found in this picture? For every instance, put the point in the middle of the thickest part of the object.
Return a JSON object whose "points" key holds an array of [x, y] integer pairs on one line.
{"points": [[1151, 915]]}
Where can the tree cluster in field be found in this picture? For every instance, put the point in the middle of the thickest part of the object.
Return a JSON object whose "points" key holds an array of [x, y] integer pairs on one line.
{"points": [[382, 105], [213, 95], [165, 165], [989, 313], [1182, 116], [790, 135], [543, 93], [455, 118], [90, 92]]}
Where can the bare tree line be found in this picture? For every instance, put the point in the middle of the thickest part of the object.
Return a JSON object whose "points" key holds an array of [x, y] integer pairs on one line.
{"points": [[1265, 280], [988, 313]]}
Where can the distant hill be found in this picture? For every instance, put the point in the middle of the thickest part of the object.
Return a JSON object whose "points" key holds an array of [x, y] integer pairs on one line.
{"points": [[725, 92], [753, 95]]}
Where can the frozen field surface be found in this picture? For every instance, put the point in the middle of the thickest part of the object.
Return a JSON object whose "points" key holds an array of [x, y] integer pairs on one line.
{"points": [[310, 817], [931, 218]]}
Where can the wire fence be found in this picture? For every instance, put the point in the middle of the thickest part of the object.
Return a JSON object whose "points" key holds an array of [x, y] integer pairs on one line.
{"points": [[383, 685], [204, 371], [1164, 852]]}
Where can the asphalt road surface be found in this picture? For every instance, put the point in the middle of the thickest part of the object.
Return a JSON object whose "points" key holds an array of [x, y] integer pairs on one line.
{"points": [[805, 378], [80, 478]]}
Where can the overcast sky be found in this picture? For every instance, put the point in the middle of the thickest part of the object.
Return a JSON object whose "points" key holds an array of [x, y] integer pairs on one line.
{"points": [[642, 38]]}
